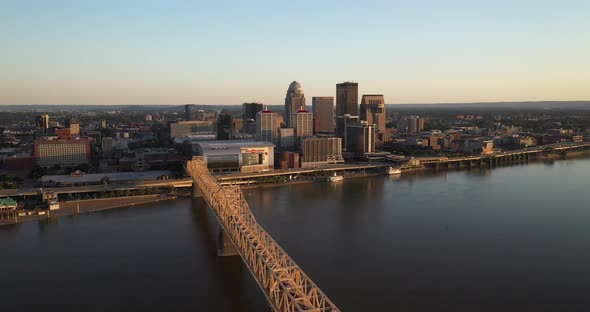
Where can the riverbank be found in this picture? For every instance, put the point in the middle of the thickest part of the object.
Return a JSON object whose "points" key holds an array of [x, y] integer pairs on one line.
{"points": [[90, 205]]}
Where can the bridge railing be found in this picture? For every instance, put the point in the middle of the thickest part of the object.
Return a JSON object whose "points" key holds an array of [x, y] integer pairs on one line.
{"points": [[282, 281]]}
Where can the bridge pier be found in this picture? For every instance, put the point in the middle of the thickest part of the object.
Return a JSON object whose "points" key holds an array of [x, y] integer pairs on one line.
{"points": [[225, 247]]}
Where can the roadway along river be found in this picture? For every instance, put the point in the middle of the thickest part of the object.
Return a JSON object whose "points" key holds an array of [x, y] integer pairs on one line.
{"points": [[509, 239]]}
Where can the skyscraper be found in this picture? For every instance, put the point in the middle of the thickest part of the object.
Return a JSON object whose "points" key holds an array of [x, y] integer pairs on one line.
{"points": [[347, 99], [267, 127], [249, 111], [303, 124], [323, 114], [294, 101], [373, 111]]}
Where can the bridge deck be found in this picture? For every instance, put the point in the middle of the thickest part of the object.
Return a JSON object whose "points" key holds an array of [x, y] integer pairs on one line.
{"points": [[283, 282]]}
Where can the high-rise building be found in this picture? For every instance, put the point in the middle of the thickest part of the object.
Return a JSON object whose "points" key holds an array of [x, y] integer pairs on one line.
{"points": [[225, 126], [249, 111], [266, 126], [42, 123], [63, 152], [319, 150], [360, 139], [415, 124], [323, 114], [347, 99], [190, 112], [294, 101], [341, 125], [303, 124], [373, 111]]}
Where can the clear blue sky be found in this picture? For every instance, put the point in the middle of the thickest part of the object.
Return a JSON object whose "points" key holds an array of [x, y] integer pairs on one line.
{"points": [[229, 52]]}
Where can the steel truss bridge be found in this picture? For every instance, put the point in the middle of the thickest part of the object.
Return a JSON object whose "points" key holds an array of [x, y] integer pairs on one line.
{"points": [[283, 283]]}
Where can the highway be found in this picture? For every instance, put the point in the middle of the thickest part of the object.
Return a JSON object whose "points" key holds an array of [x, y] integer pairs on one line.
{"points": [[98, 188]]}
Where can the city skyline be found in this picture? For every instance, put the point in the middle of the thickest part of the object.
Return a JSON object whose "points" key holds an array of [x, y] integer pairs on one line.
{"points": [[160, 53]]}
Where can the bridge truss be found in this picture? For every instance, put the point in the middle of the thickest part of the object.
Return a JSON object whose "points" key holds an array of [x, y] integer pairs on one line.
{"points": [[285, 285]]}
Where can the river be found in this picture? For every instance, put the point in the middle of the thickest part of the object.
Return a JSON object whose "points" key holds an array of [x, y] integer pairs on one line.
{"points": [[509, 239]]}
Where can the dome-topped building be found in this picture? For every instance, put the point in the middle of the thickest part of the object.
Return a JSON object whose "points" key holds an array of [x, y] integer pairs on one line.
{"points": [[294, 86], [294, 101]]}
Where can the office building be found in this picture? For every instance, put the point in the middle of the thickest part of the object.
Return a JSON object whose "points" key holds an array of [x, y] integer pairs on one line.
{"points": [[42, 123], [183, 128], [372, 111], [323, 114], [320, 150], [341, 124], [347, 96], [225, 126], [286, 139], [67, 153], [302, 122], [360, 139], [249, 111], [294, 101], [266, 126]]}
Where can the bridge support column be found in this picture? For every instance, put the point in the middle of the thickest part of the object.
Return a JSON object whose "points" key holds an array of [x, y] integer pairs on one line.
{"points": [[195, 191], [225, 247]]}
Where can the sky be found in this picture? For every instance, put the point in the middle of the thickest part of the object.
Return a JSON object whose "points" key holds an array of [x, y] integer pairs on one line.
{"points": [[230, 52]]}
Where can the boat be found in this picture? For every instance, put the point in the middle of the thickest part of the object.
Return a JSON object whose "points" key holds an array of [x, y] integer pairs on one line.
{"points": [[393, 170], [335, 178]]}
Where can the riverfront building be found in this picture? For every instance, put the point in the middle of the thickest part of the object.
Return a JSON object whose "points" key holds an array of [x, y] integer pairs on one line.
{"points": [[323, 114], [235, 155], [373, 111], [360, 139], [294, 101], [320, 150], [71, 152]]}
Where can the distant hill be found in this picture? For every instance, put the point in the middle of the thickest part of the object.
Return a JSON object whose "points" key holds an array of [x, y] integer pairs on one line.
{"points": [[481, 106]]}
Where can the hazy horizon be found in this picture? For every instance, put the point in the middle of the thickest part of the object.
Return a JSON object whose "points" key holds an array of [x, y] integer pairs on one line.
{"points": [[221, 52]]}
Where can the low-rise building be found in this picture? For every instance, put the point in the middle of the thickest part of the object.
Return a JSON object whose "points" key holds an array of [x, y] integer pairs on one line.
{"points": [[63, 152], [184, 128], [235, 155]]}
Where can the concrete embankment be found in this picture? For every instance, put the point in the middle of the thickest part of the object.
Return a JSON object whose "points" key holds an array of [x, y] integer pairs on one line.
{"points": [[90, 205]]}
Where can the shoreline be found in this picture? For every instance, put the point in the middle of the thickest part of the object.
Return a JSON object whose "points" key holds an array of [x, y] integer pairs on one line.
{"points": [[545, 158], [76, 207]]}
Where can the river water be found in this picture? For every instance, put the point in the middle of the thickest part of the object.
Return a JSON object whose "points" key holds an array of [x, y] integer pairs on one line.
{"points": [[508, 239]]}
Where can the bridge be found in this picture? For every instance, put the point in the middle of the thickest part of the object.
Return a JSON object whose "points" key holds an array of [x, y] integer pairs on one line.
{"points": [[503, 156], [283, 283]]}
